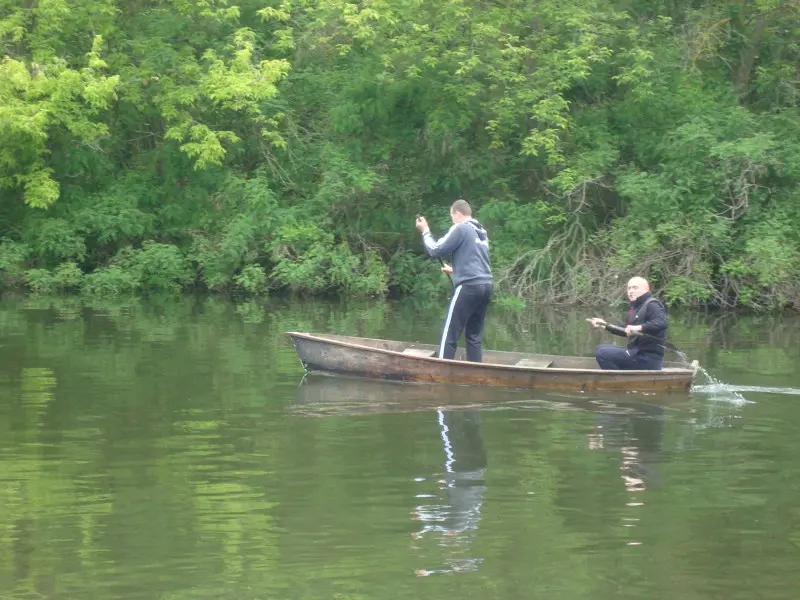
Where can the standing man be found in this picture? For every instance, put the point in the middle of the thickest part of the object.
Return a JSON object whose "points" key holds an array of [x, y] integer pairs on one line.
{"points": [[468, 244], [646, 316]]}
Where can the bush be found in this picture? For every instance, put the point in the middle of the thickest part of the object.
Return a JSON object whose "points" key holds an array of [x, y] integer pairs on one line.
{"points": [[309, 259], [252, 279], [415, 275], [109, 281], [157, 267], [68, 277], [55, 240], [12, 263], [65, 277], [40, 281]]}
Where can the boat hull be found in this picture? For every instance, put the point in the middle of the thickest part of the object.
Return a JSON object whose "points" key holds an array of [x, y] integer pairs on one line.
{"points": [[385, 359]]}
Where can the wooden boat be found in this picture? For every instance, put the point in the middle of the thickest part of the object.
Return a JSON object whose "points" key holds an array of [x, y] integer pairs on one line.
{"points": [[410, 361]]}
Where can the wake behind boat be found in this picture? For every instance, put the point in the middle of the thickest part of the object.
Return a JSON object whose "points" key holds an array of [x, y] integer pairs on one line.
{"points": [[410, 361]]}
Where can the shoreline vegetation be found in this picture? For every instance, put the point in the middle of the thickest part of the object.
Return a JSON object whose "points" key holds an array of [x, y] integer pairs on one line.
{"points": [[269, 147]]}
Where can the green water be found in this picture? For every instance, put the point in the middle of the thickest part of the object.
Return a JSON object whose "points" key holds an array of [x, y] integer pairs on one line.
{"points": [[168, 449]]}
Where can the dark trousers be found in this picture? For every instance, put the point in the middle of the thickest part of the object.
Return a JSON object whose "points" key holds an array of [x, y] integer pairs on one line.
{"points": [[465, 314], [621, 359]]}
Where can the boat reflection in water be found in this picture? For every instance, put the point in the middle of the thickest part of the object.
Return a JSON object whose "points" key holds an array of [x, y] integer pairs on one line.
{"points": [[450, 499], [448, 504], [321, 395]]}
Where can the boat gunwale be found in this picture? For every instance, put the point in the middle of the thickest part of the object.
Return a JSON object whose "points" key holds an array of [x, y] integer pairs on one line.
{"points": [[598, 371]]}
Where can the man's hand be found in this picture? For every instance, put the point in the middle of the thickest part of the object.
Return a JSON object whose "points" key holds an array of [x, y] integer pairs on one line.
{"points": [[633, 330], [447, 269], [597, 323], [421, 224]]}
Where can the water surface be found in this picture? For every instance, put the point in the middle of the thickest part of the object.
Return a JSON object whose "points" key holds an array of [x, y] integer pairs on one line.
{"points": [[173, 449]]}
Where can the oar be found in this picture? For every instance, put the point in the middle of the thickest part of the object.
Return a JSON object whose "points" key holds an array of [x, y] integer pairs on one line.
{"points": [[450, 277], [621, 331]]}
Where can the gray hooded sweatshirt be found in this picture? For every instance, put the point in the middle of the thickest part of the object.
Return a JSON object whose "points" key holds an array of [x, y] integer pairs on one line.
{"points": [[468, 244]]}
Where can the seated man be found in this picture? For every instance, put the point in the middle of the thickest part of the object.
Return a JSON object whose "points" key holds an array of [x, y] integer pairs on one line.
{"points": [[646, 316]]}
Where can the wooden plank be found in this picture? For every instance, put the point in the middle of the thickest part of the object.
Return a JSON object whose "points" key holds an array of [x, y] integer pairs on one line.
{"points": [[424, 352], [536, 363]]}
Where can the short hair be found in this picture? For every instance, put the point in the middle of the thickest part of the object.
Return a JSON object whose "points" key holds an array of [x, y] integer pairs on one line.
{"points": [[461, 206]]}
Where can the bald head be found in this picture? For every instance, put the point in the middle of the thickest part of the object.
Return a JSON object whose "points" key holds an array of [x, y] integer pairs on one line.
{"points": [[636, 287]]}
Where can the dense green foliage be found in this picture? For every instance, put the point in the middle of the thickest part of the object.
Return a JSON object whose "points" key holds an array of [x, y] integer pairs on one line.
{"points": [[265, 145]]}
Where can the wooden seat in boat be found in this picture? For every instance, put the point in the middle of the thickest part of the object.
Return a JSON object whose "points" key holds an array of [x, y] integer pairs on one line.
{"points": [[424, 352], [536, 363]]}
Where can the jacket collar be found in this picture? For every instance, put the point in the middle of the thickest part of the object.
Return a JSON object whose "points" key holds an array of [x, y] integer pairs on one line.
{"points": [[641, 300]]}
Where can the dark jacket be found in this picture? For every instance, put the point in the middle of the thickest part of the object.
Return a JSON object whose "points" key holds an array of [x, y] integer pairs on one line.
{"points": [[468, 244], [652, 316]]}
